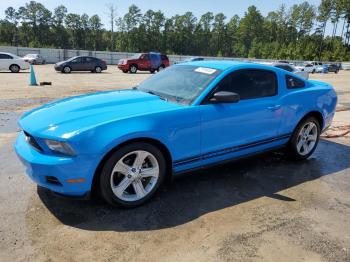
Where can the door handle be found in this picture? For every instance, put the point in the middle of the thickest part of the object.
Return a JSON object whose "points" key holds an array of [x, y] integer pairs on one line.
{"points": [[274, 108]]}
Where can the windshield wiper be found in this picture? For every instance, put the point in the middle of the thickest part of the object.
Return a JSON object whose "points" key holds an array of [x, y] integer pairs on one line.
{"points": [[155, 94]]}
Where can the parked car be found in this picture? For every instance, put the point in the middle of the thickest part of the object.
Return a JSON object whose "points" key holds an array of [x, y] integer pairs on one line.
{"points": [[34, 59], [81, 63], [192, 59], [144, 62], [332, 68], [310, 68], [321, 69], [12, 62], [126, 143], [292, 69]]}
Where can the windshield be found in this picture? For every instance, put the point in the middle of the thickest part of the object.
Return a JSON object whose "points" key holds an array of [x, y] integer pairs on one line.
{"points": [[31, 55], [181, 84], [70, 59], [135, 56]]}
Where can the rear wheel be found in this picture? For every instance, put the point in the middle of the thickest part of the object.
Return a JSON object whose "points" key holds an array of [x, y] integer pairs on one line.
{"points": [[98, 69], [14, 68], [304, 139], [133, 69], [162, 67], [132, 175]]}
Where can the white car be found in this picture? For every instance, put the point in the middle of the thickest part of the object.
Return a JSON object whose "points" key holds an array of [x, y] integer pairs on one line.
{"points": [[34, 59], [12, 62], [290, 68]]}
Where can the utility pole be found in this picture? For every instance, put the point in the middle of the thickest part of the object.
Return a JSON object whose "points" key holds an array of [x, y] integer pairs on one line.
{"points": [[112, 13]]}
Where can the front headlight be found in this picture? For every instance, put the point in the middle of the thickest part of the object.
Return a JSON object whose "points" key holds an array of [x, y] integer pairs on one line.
{"points": [[60, 147]]}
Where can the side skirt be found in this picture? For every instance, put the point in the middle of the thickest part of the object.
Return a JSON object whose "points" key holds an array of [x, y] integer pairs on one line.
{"points": [[227, 161]]}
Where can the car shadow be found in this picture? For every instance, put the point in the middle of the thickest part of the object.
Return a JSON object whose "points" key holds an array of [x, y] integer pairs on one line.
{"points": [[193, 195], [9, 72], [83, 73]]}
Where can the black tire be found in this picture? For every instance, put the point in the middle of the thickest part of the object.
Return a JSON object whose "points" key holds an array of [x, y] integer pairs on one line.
{"points": [[152, 71], [43, 62], [66, 70], [105, 178], [98, 69], [161, 68], [125, 71], [292, 150], [133, 69], [336, 72], [313, 71], [14, 68]]}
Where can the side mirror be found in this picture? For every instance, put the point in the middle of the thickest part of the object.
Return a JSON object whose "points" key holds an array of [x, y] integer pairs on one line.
{"points": [[224, 97]]}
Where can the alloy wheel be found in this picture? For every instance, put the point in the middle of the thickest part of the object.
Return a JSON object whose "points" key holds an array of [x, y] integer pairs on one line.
{"points": [[134, 176], [14, 68], [66, 69], [307, 138]]}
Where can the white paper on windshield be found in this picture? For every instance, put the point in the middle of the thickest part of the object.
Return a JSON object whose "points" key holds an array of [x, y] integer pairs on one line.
{"points": [[205, 70]]}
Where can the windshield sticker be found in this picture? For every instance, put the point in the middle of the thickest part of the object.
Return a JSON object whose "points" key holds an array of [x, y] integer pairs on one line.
{"points": [[204, 70]]}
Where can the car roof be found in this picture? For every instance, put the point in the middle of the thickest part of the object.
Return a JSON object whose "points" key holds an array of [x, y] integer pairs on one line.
{"points": [[218, 64], [5, 53], [226, 64], [281, 64]]}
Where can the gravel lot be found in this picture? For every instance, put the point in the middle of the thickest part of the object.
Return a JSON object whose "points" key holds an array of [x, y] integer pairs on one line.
{"points": [[260, 209]]}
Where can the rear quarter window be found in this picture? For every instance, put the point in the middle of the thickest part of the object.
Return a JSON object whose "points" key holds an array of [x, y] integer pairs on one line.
{"points": [[293, 82]]}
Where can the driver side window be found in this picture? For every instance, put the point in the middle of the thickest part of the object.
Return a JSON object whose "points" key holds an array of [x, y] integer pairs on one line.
{"points": [[77, 60], [249, 84]]}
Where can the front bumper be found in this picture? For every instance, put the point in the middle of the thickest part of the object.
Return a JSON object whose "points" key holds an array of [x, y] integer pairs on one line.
{"points": [[58, 68], [41, 168], [123, 67]]}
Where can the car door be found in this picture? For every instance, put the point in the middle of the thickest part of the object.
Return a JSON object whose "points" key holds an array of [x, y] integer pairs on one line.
{"points": [[145, 62], [5, 61], [89, 63], [255, 118], [76, 64]]}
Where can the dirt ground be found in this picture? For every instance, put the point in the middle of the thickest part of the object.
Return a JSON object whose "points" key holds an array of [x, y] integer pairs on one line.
{"points": [[260, 209]]}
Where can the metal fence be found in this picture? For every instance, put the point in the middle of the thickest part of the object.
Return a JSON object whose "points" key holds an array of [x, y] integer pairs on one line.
{"points": [[55, 55]]}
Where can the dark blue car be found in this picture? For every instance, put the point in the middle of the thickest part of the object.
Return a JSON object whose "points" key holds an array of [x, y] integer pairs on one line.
{"points": [[189, 116], [81, 63]]}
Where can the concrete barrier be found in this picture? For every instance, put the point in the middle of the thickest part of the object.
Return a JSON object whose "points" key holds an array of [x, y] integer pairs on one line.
{"points": [[52, 55]]}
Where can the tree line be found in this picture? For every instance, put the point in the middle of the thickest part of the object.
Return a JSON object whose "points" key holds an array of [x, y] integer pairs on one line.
{"points": [[297, 33]]}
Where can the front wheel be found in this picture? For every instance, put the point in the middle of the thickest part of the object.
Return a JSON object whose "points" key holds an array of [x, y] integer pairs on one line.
{"points": [[133, 69], [66, 70], [304, 139], [14, 68], [132, 175]]}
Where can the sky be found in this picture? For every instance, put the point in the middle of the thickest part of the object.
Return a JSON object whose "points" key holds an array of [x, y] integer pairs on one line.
{"points": [[169, 7]]}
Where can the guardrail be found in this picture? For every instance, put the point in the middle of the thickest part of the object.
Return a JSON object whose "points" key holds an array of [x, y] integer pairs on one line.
{"points": [[52, 55]]}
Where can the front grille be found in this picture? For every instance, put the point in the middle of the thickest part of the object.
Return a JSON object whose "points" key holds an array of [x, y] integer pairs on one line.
{"points": [[31, 141]]}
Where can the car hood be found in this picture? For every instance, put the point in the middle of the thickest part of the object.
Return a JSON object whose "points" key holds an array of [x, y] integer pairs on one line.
{"points": [[60, 63], [68, 117]]}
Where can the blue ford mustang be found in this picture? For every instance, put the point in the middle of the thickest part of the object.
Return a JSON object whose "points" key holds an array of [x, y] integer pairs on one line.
{"points": [[189, 116]]}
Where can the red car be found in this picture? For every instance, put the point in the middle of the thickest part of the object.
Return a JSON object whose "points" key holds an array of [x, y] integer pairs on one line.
{"points": [[144, 62]]}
